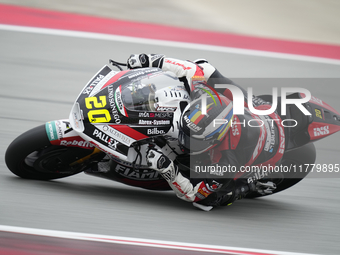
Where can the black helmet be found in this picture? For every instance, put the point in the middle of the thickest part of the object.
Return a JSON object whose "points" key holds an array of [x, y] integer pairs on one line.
{"points": [[199, 132]]}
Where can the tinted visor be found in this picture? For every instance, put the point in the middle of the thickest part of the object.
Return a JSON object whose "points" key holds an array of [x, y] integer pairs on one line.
{"points": [[140, 97]]}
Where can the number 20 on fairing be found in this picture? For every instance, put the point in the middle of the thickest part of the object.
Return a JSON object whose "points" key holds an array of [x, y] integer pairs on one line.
{"points": [[98, 115]]}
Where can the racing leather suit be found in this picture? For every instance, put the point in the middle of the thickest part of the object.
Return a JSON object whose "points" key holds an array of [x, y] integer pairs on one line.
{"points": [[251, 141]]}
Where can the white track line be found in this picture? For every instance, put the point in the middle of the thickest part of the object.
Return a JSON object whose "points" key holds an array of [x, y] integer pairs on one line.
{"points": [[195, 46], [141, 242]]}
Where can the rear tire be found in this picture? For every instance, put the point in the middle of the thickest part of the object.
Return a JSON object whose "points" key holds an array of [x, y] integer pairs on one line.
{"points": [[32, 156]]}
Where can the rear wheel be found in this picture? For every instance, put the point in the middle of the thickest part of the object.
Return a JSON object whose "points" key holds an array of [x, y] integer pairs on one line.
{"points": [[32, 156]]}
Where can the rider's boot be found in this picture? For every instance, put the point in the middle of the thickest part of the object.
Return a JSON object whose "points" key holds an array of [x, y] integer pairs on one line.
{"points": [[234, 191], [240, 191]]}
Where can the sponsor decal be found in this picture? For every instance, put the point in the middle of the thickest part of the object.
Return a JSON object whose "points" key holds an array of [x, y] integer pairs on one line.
{"points": [[59, 129], [146, 115], [141, 174], [234, 128], [318, 113], [77, 143], [107, 141], [192, 126], [76, 120], [111, 143], [177, 64], [119, 136], [67, 128], [135, 74], [270, 129], [154, 122], [63, 128], [316, 100], [166, 115], [155, 131], [282, 140], [259, 143], [102, 76], [178, 187], [257, 176], [321, 131], [198, 78], [203, 190], [94, 82], [119, 102], [112, 103], [97, 115], [51, 131], [165, 109], [141, 73]]}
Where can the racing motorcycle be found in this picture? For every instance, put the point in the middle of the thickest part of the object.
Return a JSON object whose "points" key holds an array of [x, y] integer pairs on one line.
{"points": [[120, 114]]}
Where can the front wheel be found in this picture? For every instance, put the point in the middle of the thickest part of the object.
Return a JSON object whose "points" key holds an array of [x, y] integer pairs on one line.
{"points": [[32, 156]]}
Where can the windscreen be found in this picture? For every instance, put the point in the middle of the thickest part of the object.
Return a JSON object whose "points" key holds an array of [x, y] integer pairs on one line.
{"points": [[139, 95]]}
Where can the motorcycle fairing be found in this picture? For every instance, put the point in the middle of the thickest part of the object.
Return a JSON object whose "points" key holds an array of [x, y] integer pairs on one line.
{"points": [[143, 177], [60, 132], [324, 121], [100, 116], [95, 84]]}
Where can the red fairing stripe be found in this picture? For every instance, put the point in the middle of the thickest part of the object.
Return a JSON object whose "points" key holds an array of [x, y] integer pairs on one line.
{"points": [[129, 132], [115, 78], [319, 130]]}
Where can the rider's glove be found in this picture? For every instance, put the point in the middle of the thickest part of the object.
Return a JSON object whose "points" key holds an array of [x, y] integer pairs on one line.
{"points": [[161, 163], [144, 60], [169, 171]]}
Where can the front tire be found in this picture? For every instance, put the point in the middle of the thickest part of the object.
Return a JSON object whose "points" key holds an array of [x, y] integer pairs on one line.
{"points": [[32, 156]]}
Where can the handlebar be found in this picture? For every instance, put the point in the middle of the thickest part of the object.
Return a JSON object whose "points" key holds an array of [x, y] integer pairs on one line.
{"points": [[117, 64]]}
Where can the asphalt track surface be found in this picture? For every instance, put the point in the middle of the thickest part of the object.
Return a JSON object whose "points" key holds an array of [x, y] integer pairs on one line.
{"points": [[42, 74]]}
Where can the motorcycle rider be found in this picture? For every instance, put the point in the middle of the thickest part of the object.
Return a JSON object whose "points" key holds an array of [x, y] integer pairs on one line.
{"points": [[231, 142]]}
